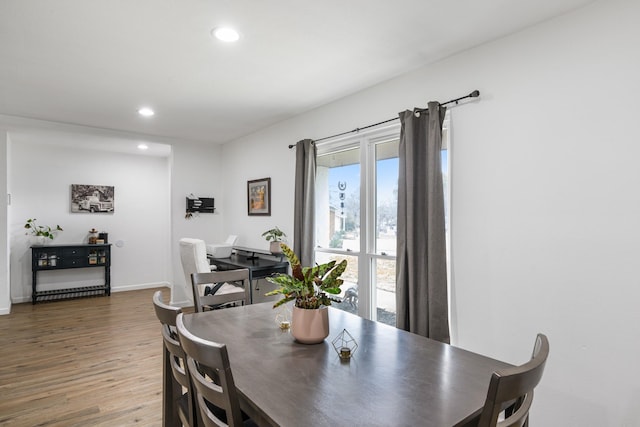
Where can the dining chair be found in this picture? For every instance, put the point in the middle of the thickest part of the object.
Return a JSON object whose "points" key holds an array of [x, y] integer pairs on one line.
{"points": [[178, 402], [193, 256], [212, 379], [511, 390], [221, 288]]}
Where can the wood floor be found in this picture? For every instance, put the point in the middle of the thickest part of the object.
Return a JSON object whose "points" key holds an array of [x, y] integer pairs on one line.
{"points": [[85, 362]]}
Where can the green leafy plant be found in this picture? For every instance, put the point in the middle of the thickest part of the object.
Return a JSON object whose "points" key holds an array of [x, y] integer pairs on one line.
{"points": [[275, 235], [41, 230], [308, 286]]}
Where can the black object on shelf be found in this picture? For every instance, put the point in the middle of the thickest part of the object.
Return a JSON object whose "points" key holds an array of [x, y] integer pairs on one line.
{"points": [[62, 257]]}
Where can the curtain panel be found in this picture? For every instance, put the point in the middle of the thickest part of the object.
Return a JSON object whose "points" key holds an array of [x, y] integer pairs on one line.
{"points": [[421, 270], [304, 204]]}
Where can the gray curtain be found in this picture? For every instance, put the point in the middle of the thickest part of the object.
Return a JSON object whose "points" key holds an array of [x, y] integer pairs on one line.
{"points": [[304, 208], [421, 270]]}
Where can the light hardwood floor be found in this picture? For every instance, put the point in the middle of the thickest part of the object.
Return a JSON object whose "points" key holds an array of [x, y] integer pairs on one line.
{"points": [[84, 362]]}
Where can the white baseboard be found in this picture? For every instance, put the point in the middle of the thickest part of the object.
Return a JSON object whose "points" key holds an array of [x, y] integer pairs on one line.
{"points": [[139, 286]]}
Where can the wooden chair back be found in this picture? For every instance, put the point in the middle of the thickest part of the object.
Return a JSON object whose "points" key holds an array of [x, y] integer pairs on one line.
{"points": [[511, 390], [211, 376], [182, 404], [235, 288]]}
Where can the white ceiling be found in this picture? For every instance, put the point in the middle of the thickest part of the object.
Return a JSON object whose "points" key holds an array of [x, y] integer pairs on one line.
{"points": [[95, 62]]}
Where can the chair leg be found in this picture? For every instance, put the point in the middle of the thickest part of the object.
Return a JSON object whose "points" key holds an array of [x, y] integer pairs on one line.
{"points": [[170, 392]]}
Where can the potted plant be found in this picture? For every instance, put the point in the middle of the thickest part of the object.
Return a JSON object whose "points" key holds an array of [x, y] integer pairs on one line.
{"points": [[40, 233], [310, 288], [274, 236]]}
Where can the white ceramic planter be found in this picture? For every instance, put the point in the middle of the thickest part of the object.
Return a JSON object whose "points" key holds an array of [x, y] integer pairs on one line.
{"points": [[274, 248], [37, 240], [310, 326]]}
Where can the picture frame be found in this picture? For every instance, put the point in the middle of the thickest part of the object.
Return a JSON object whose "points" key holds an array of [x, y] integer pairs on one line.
{"points": [[259, 197], [87, 198]]}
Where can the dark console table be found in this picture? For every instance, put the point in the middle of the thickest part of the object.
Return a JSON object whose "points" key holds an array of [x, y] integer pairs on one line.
{"points": [[62, 257]]}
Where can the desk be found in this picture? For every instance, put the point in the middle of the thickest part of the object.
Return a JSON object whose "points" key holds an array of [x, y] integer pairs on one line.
{"points": [[258, 267], [395, 378]]}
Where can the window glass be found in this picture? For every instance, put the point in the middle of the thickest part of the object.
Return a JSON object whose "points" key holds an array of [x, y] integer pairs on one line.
{"points": [[386, 197], [338, 200]]}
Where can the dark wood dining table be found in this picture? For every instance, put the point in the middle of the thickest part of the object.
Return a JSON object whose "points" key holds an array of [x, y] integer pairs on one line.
{"points": [[394, 378]]}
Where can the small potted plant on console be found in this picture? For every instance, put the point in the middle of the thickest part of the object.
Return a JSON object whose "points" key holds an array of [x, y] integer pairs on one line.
{"points": [[274, 237], [39, 233]]}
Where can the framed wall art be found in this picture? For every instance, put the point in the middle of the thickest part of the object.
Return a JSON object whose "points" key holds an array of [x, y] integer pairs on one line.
{"points": [[92, 198], [259, 197]]}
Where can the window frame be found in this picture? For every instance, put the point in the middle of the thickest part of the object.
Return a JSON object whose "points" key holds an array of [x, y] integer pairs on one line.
{"points": [[367, 254]]}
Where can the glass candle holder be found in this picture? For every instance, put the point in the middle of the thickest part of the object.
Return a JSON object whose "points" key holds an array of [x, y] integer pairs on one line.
{"points": [[283, 317], [345, 345]]}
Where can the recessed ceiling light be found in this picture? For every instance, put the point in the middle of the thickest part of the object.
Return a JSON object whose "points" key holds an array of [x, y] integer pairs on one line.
{"points": [[226, 34], [143, 146], [146, 112]]}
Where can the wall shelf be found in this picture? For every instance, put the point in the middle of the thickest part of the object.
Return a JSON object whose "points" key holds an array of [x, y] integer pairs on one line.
{"points": [[201, 204]]}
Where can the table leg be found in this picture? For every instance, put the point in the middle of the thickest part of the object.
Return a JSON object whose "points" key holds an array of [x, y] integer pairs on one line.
{"points": [[250, 287]]}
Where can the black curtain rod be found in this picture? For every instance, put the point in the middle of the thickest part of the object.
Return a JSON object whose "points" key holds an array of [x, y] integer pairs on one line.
{"points": [[474, 94]]}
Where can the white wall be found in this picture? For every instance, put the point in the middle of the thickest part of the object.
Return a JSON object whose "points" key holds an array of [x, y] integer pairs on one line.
{"points": [[5, 287], [265, 156], [196, 169], [41, 178], [545, 201]]}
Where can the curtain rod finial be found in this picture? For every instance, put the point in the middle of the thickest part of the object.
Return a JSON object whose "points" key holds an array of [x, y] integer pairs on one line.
{"points": [[475, 94]]}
